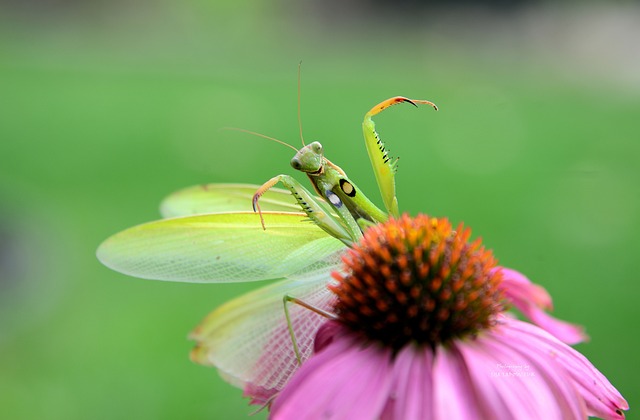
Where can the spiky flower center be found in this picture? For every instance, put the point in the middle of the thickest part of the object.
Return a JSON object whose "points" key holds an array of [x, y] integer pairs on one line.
{"points": [[417, 280]]}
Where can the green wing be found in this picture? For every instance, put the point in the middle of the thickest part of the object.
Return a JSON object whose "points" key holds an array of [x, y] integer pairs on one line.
{"points": [[220, 247], [247, 338], [216, 198]]}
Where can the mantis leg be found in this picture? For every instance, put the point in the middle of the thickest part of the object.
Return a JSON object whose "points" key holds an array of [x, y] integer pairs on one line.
{"points": [[318, 211], [383, 167], [286, 299]]}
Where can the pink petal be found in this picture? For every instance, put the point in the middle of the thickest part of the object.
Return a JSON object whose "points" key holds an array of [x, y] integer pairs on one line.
{"points": [[531, 299], [412, 385], [454, 397], [563, 331], [502, 396], [601, 398], [517, 287], [528, 373], [325, 335], [344, 380]]}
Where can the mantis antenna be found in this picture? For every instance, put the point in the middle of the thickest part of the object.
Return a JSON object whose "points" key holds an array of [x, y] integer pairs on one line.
{"points": [[299, 118], [242, 130]]}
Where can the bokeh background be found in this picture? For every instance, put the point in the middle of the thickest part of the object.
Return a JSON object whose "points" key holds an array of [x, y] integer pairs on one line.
{"points": [[106, 107]]}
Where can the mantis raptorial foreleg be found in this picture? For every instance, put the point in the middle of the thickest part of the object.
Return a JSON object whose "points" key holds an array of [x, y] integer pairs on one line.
{"points": [[288, 298], [383, 167], [318, 211]]}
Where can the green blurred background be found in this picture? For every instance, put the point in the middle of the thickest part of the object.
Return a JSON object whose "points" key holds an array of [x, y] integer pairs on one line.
{"points": [[107, 107]]}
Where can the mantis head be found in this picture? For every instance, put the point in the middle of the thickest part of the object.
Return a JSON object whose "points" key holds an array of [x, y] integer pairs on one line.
{"points": [[309, 159]]}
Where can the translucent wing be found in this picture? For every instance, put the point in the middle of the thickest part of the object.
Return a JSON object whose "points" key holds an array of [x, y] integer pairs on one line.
{"points": [[220, 247], [217, 198], [247, 338]]}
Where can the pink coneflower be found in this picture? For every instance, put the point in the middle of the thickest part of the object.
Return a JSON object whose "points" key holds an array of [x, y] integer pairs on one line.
{"points": [[421, 333]]}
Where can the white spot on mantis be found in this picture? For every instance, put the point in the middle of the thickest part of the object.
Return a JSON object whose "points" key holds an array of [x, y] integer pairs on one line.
{"points": [[334, 199]]}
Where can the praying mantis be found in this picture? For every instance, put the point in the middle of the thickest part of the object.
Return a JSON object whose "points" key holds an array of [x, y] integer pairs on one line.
{"points": [[354, 210], [209, 234]]}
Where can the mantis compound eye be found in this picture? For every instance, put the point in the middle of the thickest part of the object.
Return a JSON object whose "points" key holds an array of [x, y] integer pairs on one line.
{"points": [[295, 163], [317, 147]]}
